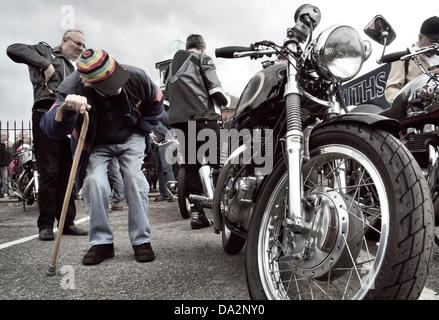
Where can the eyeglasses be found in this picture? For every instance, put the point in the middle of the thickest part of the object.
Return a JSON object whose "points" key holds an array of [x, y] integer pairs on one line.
{"points": [[78, 43]]}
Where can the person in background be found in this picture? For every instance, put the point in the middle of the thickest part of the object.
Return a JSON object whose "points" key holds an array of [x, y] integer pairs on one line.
{"points": [[19, 140], [5, 159], [164, 170], [116, 183], [402, 72], [48, 67], [195, 100], [124, 105]]}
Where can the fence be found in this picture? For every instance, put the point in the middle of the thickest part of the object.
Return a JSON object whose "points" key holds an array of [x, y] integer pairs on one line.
{"points": [[15, 132]]}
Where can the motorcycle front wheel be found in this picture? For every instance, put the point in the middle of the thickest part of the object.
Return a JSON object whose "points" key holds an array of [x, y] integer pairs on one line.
{"points": [[368, 223]]}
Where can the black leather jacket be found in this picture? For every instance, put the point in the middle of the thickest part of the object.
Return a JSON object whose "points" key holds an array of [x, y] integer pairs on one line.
{"points": [[192, 86], [38, 57]]}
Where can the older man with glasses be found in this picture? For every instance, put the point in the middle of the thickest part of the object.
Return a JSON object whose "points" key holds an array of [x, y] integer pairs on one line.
{"points": [[48, 67]]}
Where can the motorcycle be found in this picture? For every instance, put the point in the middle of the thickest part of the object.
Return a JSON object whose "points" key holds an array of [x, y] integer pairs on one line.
{"points": [[417, 109], [25, 182], [330, 204]]}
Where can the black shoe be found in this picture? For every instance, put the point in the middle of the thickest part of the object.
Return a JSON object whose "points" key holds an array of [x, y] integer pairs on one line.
{"points": [[201, 223], [74, 231], [162, 198], [143, 252], [46, 235], [98, 253]]}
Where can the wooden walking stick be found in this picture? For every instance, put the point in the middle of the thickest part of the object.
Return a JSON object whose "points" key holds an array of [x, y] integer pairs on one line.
{"points": [[51, 270]]}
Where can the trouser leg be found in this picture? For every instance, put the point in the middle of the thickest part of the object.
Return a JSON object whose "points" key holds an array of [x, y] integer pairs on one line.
{"points": [[54, 162]]}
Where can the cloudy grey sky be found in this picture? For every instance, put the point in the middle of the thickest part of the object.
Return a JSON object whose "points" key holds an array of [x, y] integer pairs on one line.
{"points": [[138, 32]]}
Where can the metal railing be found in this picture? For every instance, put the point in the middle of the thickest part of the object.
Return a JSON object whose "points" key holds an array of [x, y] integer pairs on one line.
{"points": [[17, 133]]}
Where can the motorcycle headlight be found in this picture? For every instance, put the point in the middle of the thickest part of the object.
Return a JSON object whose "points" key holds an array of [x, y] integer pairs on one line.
{"points": [[339, 52]]}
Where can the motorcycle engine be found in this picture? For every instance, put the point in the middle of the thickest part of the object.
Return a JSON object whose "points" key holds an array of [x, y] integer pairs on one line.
{"points": [[239, 204]]}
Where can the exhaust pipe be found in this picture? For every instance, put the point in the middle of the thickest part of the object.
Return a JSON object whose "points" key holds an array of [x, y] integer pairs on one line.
{"points": [[206, 179]]}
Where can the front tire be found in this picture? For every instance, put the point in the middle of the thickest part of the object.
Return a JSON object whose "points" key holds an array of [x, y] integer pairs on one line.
{"points": [[361, 185]]}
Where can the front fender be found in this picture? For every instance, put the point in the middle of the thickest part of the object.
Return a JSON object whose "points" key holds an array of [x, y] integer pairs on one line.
{"points": [[373, 120]]}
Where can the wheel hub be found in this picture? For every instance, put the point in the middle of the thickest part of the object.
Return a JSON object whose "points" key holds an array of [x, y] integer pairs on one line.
{"points": [[334, 230]]}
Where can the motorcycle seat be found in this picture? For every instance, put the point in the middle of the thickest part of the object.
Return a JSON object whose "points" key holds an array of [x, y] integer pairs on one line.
{"points": [[398, 108]]}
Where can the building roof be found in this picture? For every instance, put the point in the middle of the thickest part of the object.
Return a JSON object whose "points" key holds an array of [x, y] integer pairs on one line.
{"points": [[173, 47]]}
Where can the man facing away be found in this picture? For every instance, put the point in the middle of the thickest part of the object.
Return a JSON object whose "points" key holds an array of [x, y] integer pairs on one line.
{"points": [[195, 97], [47, 69]]}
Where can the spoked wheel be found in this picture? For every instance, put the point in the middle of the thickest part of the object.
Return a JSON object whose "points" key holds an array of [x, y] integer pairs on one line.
{"points": [[368, 218], [183, 202], [27, 190], [30, 197], [222, 202]]}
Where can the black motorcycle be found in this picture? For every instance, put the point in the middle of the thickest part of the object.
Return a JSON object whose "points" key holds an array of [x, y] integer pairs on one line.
{"points": [[330, 204]]}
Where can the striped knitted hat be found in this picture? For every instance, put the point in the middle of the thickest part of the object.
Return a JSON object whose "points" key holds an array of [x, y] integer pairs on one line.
{"points": [[98, 68]]}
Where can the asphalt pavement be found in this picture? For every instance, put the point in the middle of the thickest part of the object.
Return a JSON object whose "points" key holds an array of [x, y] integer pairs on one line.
{"points": [[189, 265]]}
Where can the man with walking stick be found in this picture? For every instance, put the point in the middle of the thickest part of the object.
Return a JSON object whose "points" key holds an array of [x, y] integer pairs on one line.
{"points": [[124, 106]]}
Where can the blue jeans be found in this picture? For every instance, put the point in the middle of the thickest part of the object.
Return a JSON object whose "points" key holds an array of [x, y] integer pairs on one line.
{"points": [[163, 169], [96, 190]]}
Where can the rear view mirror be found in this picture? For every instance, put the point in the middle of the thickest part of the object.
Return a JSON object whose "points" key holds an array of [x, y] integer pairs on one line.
{"points": [[380, 31]]}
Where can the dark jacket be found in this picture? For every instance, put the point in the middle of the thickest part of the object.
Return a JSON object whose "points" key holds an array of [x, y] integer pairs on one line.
{"points": [[191, 82], [38, 57], [144, 110], [5, 156]]}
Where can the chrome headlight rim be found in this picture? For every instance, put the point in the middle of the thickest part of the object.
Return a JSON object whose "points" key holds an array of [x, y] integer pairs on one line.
{"points": [[339, 72]]}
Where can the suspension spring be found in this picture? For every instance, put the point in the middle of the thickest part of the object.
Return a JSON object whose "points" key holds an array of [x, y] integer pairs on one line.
{"points": [[294, 119]]}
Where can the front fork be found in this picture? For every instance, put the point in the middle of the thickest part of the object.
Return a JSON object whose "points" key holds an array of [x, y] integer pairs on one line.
{"points": [[294, 142], [295, 153]]}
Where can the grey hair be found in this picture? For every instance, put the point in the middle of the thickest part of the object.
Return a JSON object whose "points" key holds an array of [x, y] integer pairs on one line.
{"points": [[69, 32]]}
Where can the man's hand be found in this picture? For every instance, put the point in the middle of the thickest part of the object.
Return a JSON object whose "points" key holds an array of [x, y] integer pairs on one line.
{"points": [[48, 73], [77, 103]]}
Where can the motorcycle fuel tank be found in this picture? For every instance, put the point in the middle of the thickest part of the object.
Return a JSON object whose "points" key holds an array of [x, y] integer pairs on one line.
{"points": [[266, 87]]}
